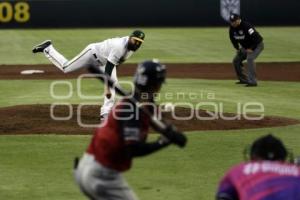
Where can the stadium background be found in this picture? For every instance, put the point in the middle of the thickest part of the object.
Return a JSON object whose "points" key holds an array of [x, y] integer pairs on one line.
{"points": [[39, 165], [120, 13]]}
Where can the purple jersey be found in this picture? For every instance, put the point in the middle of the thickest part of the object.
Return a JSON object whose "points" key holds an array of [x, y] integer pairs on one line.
{"points": [[264, 180]]}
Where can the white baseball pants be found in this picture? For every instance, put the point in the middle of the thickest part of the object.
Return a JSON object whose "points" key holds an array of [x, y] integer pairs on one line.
{"points": [[85, 58]]}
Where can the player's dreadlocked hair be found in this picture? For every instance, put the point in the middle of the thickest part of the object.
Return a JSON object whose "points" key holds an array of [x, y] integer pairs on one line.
{"points": [[268, 148]]}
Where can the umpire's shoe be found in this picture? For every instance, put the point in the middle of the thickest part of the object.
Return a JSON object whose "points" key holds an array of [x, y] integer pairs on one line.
{"points": [[241, 82], [251, 85], [41, 47]]}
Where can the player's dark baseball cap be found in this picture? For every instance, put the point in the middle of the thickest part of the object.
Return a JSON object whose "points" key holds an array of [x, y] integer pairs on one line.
{"points": [[138, 35], [233, 17], [268, 148]]}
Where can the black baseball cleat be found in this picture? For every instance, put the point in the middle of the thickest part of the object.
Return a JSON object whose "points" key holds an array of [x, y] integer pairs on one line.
{"points": [[41, 47], [251, 85]]}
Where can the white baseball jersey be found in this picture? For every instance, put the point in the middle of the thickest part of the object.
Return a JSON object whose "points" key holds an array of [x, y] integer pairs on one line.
{"points": [[113, 50]]}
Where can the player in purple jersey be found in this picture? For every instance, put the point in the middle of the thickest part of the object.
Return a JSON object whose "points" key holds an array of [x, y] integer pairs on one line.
{"points": [[265, 177]]}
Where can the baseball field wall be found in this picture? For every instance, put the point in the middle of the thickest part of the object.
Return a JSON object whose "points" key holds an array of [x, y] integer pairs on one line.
{"points": [[123, 13]]}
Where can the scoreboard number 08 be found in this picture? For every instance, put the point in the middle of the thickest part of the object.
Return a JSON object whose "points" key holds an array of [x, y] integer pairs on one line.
{"points": [[18, 12]]}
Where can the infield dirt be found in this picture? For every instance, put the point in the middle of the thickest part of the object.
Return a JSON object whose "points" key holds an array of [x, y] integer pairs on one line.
{"points": [[35, 119], [265, 71]]}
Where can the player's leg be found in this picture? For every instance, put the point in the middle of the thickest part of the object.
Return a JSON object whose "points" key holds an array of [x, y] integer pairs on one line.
{"points": [[109, 97], [55, 57], [114, 187], [251, 64], [101, 183], [82, 174], [240, 56], [121, 190], [83, 59]]}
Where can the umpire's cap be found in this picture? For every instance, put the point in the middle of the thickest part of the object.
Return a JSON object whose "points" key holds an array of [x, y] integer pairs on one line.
{"points": [[138, 35], [149, 74], [268, 148], [233, 17]]}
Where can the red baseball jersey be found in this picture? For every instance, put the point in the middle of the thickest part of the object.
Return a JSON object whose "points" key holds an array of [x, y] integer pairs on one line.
{"points": [[125, 125]]}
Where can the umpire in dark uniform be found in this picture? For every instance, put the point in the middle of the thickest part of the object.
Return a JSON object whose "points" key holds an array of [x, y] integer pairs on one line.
{"points": [[249, 44]]}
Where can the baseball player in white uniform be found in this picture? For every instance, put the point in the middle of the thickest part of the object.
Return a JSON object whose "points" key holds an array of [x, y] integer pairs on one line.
{"points": [[106, 54]]}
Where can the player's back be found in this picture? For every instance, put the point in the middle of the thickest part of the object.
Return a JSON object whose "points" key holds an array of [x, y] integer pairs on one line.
{"points": [[265, 180], [124, 125]]}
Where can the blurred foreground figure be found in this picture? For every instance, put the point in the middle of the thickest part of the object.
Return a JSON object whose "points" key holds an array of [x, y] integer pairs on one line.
{"points": [[265, 177], [122, 138]]}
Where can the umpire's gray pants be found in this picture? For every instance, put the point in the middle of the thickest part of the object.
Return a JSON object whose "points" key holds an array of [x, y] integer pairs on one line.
{"points": [[238, 64], [100, 183]]}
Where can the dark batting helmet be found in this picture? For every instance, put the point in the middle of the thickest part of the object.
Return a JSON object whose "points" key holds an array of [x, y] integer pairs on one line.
{"points": [[149, 75], [268, 148]]}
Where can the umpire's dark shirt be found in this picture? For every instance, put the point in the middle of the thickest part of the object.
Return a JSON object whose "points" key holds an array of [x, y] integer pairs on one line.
{"points": [[245, 35]]}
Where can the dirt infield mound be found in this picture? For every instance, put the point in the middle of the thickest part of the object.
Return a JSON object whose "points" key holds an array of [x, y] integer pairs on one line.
{"points": [[289, 71], [35, 119]]}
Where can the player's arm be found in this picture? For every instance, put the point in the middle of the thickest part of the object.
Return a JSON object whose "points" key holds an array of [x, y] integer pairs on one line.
{"points": [[226, 190], [109, 68], [137, 149], [131, 132], [254, 35], [256, 38], [113, 59], [234, 42]]}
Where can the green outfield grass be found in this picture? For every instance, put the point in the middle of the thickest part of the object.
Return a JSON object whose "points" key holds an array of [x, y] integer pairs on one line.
{"points": [[40, 167], [169, 44]]}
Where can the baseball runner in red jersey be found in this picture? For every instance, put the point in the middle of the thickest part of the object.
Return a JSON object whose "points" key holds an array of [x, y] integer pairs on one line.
{"points": [[122, 138], [107, 55]]}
